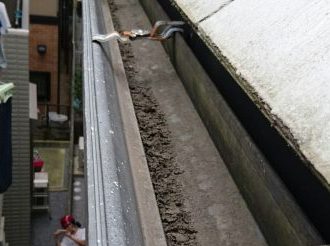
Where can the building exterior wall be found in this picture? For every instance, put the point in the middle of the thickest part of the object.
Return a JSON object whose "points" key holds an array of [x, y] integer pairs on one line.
{"points": [[44, 7], [48, 62], [17, 200]]}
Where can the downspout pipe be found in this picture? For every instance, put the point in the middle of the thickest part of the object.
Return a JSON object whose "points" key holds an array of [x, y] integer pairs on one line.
{"points": [[72, 110], [59, 47], [25, 16], [18, 5]]}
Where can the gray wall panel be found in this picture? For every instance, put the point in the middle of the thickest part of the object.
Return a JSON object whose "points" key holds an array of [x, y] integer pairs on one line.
{"points": [[17, 199]]}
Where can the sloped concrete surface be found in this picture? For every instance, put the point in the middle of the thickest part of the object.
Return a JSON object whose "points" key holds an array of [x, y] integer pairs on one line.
{"points": [[279, 52], [200, 10]]}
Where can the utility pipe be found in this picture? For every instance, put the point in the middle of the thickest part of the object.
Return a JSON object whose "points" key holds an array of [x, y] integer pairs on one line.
{"points": [[17, 14], [25, 14]]}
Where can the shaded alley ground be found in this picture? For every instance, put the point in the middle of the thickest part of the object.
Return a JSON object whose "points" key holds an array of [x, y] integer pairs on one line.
{"points": [[44, 223]]}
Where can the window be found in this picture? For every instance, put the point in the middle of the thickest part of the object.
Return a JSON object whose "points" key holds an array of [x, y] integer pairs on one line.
{"points": [[42, 80]]}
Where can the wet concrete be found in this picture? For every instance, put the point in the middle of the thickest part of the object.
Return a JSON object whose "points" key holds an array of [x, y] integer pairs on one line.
{"points": [[79, 209], [54, 159], [45, 223]]}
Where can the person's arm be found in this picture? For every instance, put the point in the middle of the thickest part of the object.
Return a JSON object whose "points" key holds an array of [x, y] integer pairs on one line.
{"points": [[77, 241], [57, 241], [57, 235]]}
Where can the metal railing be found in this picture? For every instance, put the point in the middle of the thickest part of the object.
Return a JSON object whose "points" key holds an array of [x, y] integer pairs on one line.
{"points": [[45, 108]]}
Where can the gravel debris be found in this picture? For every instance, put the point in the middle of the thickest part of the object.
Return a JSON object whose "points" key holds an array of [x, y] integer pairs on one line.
{"points": [[156, 138]]}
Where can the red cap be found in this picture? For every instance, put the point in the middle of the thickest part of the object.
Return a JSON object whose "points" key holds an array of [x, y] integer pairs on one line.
{"points": [[66, 221]]}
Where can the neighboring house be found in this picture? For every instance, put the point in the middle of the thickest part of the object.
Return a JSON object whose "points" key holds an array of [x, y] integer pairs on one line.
{"points": [[49, 42], [44, 33]]}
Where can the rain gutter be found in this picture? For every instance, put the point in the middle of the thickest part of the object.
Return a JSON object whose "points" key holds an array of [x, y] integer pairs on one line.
{"points": [[122, 209]]}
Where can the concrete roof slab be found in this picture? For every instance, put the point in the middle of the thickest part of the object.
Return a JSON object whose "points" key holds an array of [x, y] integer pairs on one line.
{"points": [[198, 10], [280, 51]]}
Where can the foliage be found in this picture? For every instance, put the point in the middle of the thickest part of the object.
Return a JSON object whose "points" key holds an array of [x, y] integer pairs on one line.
{"points": [[77, 93]]}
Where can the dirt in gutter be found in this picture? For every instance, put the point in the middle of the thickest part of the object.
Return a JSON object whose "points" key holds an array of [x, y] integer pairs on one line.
{"points": [[156, 139]]}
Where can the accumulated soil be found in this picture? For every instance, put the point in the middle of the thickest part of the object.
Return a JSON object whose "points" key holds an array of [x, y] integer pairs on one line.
{"points": [[156, 138]]}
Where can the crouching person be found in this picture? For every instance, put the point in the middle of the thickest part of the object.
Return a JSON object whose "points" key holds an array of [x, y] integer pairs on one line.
{"points": [[72, 234]]}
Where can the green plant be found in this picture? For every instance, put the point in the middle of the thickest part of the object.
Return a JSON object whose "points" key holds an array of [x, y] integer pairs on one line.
{"points": [[77, 93]]}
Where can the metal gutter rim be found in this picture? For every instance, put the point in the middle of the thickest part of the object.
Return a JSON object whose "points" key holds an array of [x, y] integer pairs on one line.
{"points": [[151, 226], [122, 208]]}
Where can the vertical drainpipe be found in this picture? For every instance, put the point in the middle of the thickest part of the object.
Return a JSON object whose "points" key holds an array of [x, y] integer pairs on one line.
{"points": [[25, 17], [60, 12], [73, 23], [18, 6]]}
